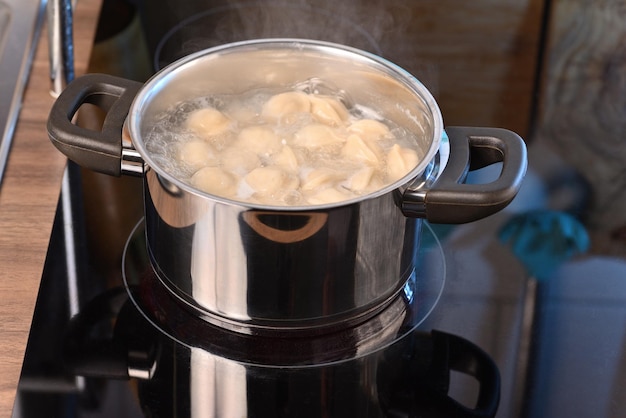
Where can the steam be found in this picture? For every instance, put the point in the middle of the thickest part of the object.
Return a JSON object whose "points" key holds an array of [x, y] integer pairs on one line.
{"points": [[376, 26], [348, 23]]}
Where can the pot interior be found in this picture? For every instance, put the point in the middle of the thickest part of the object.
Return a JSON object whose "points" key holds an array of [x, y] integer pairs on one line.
{"points": [[232, 69]]}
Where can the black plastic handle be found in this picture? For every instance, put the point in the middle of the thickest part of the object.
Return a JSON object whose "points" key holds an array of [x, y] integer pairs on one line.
{"points": [[414, 377], [453, 353], [97, 150], [92, 349], [86, 355], [451, 201]]}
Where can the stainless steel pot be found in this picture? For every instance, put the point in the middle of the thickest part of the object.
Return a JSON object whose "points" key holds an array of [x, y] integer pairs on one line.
{"points": [[299, 267]]}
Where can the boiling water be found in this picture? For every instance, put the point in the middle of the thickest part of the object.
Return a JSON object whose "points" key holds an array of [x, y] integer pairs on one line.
{"points": [[172, 132]]}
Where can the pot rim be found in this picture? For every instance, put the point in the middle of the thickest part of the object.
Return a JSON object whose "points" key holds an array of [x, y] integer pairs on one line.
{"points": [[146, 94]]}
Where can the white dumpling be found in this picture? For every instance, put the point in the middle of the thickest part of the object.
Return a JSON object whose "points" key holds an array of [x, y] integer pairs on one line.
{"points": [[259, 139], [328, 110], [286, 159], [365, 179], [317, 135], [239, 161], [400, 161], [284, 104], [320, 178], [268, 180], [356, 148], [370, 129], [216, 181], [208, 122], [196, 154], [325, 196]]}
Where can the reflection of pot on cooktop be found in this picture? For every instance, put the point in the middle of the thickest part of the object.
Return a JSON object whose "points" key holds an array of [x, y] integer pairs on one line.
{"points": [[183, 365], [410, 377]]}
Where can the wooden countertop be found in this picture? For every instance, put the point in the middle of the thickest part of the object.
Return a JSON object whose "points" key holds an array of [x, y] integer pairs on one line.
{"points": [[28, 200]]}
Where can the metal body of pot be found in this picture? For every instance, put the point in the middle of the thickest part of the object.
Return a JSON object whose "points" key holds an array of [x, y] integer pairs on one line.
{"points": [[259, 267]]}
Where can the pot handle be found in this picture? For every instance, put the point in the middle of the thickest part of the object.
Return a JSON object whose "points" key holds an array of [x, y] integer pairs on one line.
{"points": [[453, 353], [123, 354], [97, 150], [451, 201], [414, 377]]}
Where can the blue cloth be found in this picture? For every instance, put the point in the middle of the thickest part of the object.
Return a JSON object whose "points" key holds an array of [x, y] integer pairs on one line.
{"points": [[544, 239]]}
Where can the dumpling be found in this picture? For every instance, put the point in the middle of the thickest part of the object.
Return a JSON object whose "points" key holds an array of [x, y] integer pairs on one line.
{"points": [[325, 196], [358, 149], [328, 110], [260, 140], [196, 154], [216, 181], [400, 161], [208, 122], [317, 135], [320, 178], [369, 129], [362, 180], [239, 161], [286, 159], [284, 104], [270, 180]]}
